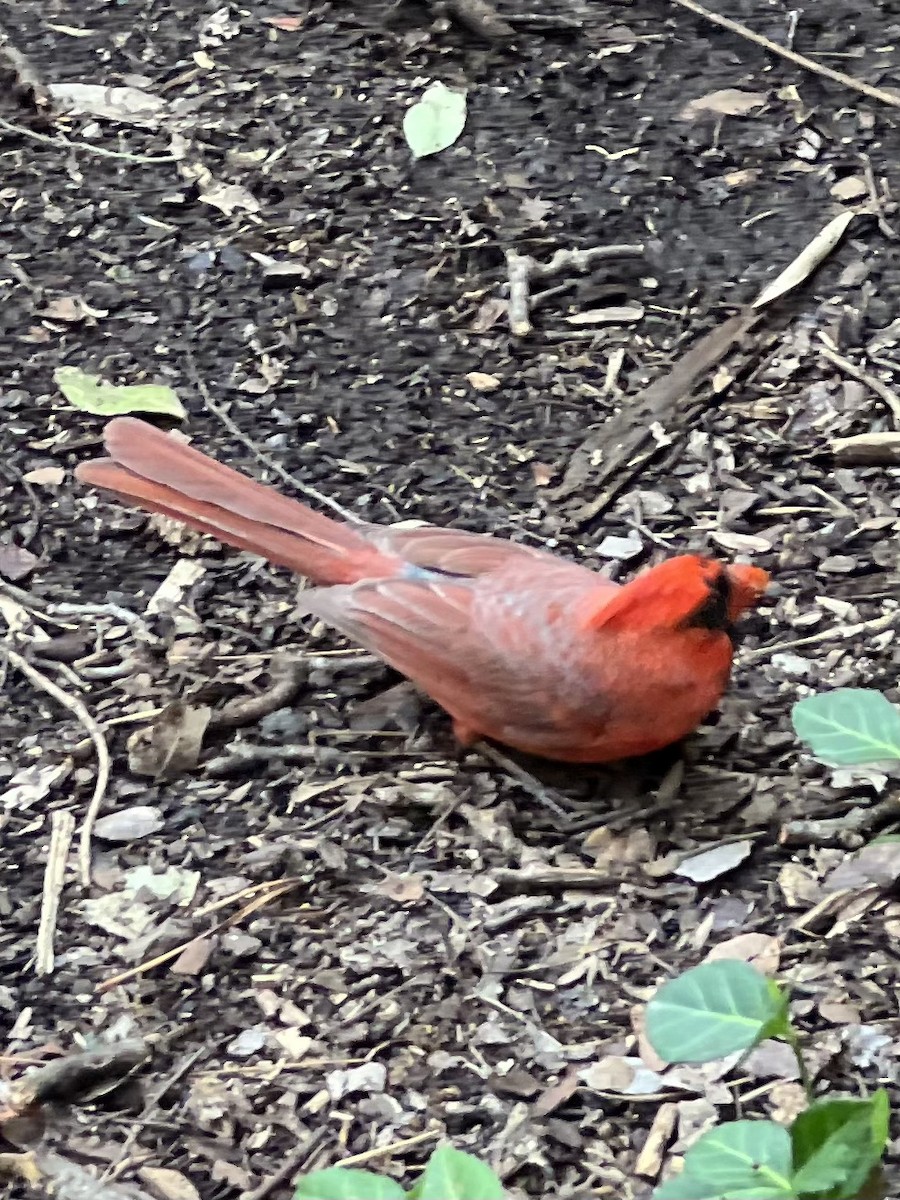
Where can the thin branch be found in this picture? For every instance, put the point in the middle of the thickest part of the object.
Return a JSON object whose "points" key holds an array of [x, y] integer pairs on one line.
{"points": [[847, 81], [78, 710], [237, 433], [67, 144], [888, 395], [62, 828]]}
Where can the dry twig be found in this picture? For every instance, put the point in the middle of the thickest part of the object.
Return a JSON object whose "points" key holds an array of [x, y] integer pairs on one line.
{"points": [[522, 269], [847, 81], [62, 829], [890, 397], [287, 676], [75, 706], [273, 465], [867, 449]]}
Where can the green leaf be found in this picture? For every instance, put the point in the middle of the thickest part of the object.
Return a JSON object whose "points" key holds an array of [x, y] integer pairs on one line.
{"points": [[714, 1010], [849, 726], [343, 1183], [837, 1143], [91, 394], [740, 1160], [436, 121], [452, 1175]]}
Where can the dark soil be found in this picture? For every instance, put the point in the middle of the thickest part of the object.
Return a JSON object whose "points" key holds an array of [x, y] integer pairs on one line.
{"points": [[407, 985]]}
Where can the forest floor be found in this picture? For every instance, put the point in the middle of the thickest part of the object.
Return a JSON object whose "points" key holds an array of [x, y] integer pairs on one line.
{"points": [[336, 934]]}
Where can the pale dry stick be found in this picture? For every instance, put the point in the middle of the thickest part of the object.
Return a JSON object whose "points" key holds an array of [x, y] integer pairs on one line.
{"points": [[51, 609], [75, 706], [142, 968], [866, 449], [382, 1151], [62, 829], [522, 269], [836, 633], [68, 144], [847, 81], [877, 200], [238, 434], [888, 395]]}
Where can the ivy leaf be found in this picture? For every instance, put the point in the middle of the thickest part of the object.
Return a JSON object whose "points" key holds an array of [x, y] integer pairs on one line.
{"points": [[849, 726], [452, 1175], [740, 1160], [714, 1010], [436, 121], [343, 1183]]}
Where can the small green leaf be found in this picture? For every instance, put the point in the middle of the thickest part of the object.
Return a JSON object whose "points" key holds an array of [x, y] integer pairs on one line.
{"points": [[452, 1175], [740, 1160], [436, 121], [91, 394], [837, 1143], [343, 1183], [849, 726], [713, 1010]]}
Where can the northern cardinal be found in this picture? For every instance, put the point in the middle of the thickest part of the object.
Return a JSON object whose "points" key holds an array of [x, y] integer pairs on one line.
{"points": [[516, 644]]}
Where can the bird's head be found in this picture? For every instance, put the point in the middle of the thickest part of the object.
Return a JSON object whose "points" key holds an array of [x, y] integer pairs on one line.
{"points": [[687, 592]]}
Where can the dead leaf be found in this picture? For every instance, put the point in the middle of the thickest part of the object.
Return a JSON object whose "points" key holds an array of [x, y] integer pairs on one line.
{"points": [[483, 383], [623, 1076], [171, 592], [806, 261], [194, 956], [877, 864], [228, 197], [710, 864], [16, 562], [761, 950], [535, 210], [172, 744], [168, 1183], [128, 824], [369, 1078], [727, 102], [402, 888], [45, 476], [851, 188], [741, 543], [289, 23], [33, 784], [488, 314], [128, 105]]}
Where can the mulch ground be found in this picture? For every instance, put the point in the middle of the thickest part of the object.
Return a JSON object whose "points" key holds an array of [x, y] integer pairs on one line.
{"points": [[336, 935]]}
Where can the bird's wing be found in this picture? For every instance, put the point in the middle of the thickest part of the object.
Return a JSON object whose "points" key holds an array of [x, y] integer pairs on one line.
{"points": [[457, 552], [488, 659]]}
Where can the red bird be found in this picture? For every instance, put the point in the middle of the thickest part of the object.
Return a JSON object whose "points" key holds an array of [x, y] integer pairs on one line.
{"points": [[516, 644]]}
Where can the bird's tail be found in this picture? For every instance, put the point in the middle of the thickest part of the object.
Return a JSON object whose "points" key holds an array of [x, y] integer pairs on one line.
{"points": [[161, 474]]}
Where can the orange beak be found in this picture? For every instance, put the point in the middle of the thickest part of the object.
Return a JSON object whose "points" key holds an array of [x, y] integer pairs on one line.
{"points": [[748, 584]]}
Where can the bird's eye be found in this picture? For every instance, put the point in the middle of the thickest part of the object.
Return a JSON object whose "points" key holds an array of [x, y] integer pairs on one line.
{"points": [[712, 613]]}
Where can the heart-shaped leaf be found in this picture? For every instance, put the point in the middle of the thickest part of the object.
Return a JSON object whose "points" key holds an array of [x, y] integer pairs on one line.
{"points": [[436, 121], [453, 1175], [343, 1183], [713, 1010], [740, 1160], [849, 726]]}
